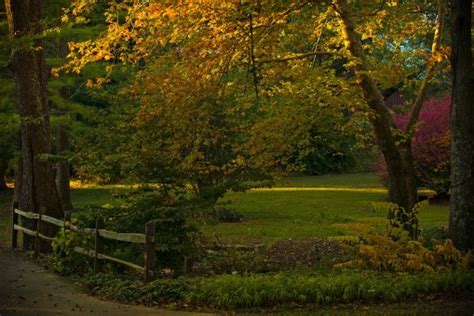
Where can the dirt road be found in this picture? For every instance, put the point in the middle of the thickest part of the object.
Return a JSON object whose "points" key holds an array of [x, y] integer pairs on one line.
{"points": [[28, 289]]}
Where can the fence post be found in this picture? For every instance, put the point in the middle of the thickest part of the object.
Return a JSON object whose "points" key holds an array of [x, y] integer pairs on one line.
{"points": [[99, 245], [14, 222], [150, 233]]}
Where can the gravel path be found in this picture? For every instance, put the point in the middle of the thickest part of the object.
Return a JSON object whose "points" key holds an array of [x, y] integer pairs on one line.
{"points": [[28, 289]]}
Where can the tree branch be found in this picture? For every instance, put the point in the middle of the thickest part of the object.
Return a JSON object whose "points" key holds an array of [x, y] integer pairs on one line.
{"points": [[420, 97]]}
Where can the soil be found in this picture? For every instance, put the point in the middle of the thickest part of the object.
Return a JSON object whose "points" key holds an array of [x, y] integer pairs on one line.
{"points": [[310, 253], [28, 289]]}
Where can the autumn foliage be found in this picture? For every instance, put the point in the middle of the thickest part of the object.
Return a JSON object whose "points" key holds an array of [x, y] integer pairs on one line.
{"points": [[397, 253]]}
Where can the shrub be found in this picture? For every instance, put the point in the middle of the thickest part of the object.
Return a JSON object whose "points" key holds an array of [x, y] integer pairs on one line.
{"points": [[64, 259], [395, 252], [431, 145], [195, 140], [175, 234], [398, 217]]}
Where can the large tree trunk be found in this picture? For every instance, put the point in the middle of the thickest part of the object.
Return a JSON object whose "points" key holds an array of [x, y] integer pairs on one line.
{"points": [[18, 168], [397, 154], [18, 178], [63, 171], [3, 183], [461, 216], [38, 188]]}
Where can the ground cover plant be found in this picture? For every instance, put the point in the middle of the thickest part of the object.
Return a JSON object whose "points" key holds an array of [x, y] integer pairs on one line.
{"points": [[293, 289]]}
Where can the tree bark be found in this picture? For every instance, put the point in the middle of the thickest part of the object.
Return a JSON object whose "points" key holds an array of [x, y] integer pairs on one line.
{"points": [[63, 173], [461, 216], [3, 183], [18, 168], [38, 188], [18, 178]]}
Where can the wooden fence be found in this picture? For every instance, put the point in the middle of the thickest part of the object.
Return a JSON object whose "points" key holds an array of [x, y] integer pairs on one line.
{"points": [[100, 234]]}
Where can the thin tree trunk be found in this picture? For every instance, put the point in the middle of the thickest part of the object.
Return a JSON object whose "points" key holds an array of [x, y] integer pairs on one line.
{"points": [[461, 216], [38, 188], [63, 173], [398, 157]]}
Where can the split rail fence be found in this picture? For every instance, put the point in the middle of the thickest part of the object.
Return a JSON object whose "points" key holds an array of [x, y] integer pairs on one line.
{"points": [[100, 234]]}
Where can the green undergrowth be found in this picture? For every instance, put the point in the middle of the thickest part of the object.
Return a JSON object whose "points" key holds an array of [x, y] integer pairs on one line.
{"points": [[232, 292]]}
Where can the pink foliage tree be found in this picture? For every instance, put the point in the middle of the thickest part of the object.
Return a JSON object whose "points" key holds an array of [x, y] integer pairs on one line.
{"points": [[431, 145]]}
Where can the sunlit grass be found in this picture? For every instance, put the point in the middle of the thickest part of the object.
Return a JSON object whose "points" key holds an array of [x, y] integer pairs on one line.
{"points": [[297, 207], [319, 189], [302, 207], [316, 207]]}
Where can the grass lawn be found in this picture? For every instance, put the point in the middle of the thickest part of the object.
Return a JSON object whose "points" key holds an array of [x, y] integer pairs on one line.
{"points": [[296, 208], [317, 206]]}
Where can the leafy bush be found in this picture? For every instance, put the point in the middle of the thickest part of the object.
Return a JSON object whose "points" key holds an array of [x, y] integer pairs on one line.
{"points": [[64, 259], [191, 139], [175, 234], [398, 217], [397, 253], [431, 145]]}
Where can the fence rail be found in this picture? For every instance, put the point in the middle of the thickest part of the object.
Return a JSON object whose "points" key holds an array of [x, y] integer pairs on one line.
{"points": [[100, 234]]}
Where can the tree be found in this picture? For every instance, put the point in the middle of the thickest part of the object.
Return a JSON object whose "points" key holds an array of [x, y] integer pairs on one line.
{"points": [[381, 46], [461, 216], [394, 143], [36, 186], [431, 146]]}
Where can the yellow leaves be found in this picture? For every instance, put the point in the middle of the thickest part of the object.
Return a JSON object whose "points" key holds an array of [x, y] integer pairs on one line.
{"points": [[65, 19], [97, 83], [78, 11], [448, 252], [381, 252], [90, 83], [392, 3]]}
